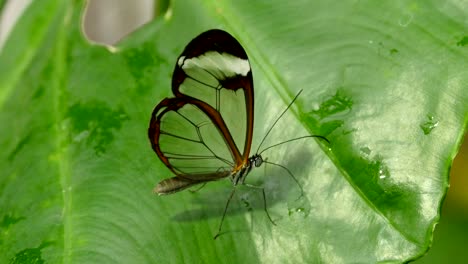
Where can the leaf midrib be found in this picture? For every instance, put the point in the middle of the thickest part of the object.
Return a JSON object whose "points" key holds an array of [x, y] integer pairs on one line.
{"points": [[59, 86]]}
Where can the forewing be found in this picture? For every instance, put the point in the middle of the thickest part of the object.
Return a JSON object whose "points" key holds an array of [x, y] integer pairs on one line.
{"points": [[214, 68]]}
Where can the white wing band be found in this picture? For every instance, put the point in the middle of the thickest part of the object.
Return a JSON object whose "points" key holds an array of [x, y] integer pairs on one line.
{"points": [[221, 65]]}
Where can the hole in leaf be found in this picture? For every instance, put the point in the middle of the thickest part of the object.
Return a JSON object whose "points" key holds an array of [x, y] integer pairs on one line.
{"points": [[108, 21], [10, 12]]}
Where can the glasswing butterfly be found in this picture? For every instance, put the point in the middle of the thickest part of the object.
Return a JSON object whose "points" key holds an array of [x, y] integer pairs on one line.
{"points": [[204, 133]]}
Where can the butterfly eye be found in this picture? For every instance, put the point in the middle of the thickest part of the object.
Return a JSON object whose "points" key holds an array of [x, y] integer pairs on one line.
{"points": [[258, 160]]}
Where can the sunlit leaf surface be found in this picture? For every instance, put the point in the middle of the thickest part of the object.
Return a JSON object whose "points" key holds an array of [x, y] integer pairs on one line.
{"points": [[384, 81]]}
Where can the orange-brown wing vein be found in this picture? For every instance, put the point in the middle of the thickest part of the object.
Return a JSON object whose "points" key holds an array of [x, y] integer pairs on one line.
{"points": [[170, 123]]}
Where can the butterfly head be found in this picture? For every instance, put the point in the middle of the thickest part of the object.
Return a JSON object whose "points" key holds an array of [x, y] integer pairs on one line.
{"points": [[256, 160]]}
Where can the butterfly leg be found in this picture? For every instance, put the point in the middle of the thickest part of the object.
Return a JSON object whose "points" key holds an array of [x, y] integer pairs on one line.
{"points": [[264, 200], [224, 214], [290, 174]]}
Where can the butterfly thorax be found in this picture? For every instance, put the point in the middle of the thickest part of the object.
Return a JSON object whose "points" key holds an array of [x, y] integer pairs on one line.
{"points": [[240, 175]]}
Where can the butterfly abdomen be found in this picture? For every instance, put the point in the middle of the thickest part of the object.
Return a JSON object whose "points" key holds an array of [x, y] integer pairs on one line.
{"points": [[173, 185]]}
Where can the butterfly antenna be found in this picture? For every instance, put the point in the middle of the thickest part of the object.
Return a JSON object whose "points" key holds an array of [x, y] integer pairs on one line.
{"points": [[279, 117], [294, 139]]}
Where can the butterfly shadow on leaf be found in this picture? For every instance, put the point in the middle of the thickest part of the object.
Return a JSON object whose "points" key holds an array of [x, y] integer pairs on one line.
{"points": [[279, 187]]}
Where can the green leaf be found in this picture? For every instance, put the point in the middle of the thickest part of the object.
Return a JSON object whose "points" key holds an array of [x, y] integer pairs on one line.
{"points": [[384, 81], [2, 5]]}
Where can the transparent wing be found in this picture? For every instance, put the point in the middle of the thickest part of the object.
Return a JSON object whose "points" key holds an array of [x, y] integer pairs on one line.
{"points": [[214, 68], [189, 137]]}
